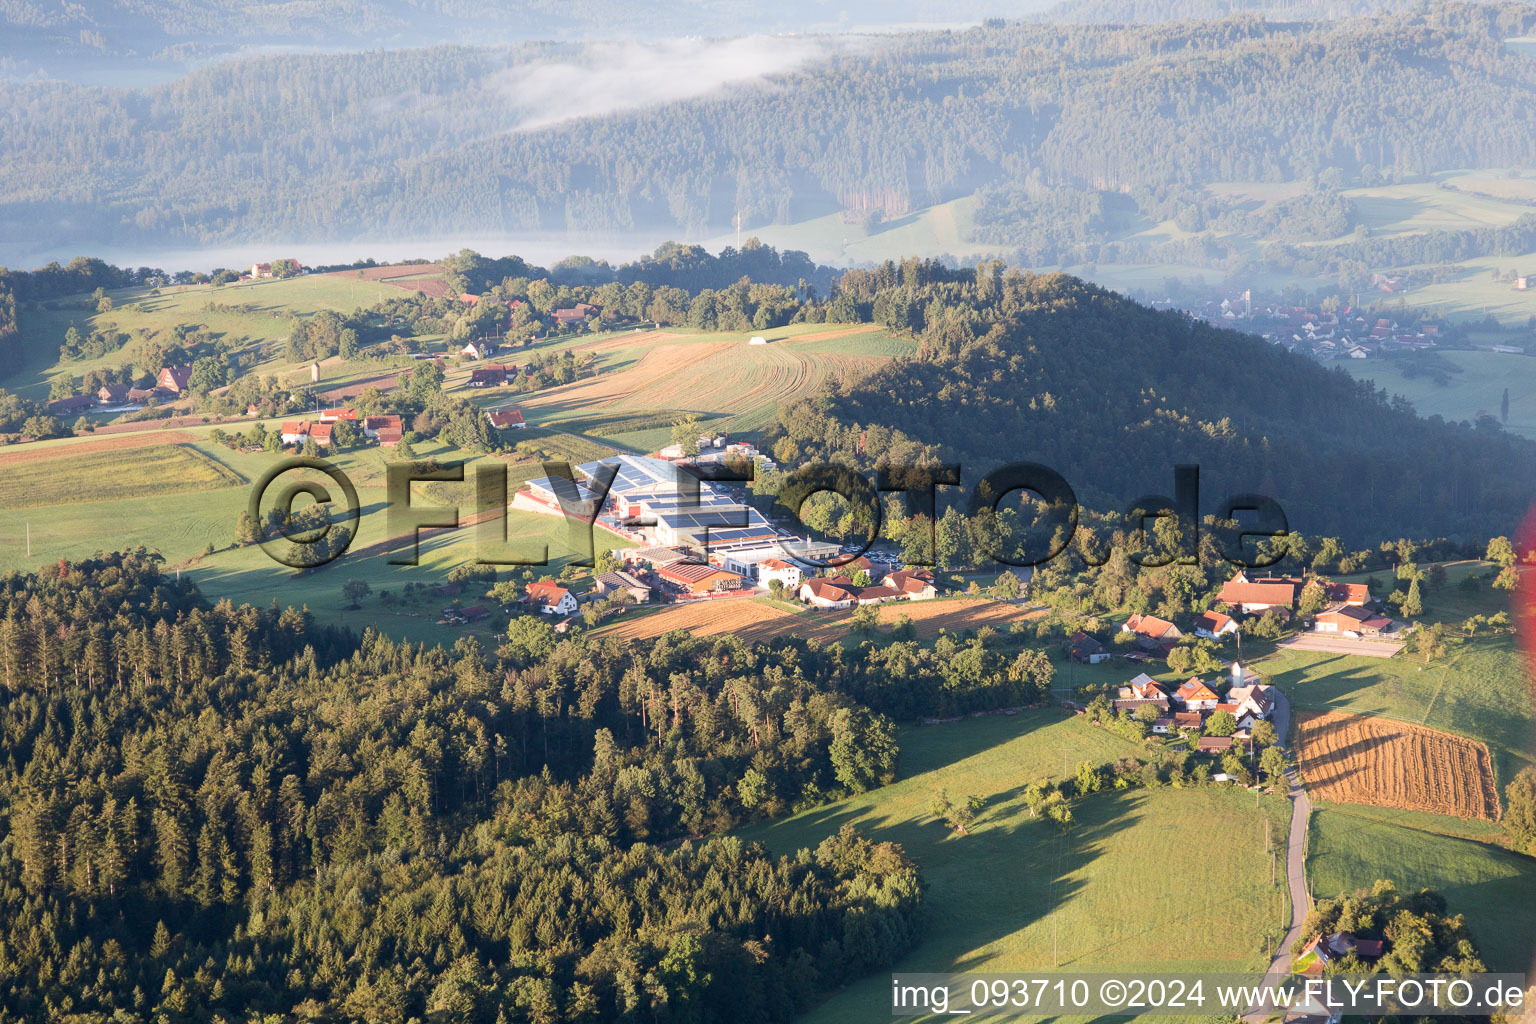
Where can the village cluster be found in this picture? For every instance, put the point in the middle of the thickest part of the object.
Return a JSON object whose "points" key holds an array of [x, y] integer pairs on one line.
{"points": [[1187, 709], [1322, 334], [700, 541]]}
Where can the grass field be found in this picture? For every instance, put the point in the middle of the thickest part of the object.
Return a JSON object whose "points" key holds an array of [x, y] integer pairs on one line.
{"points": [[1491, 886], [1109, 893], [109, 474], [1366, 759], [1477, 389]]}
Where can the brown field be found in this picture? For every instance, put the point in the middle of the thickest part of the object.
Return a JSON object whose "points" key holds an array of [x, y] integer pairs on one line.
{"points": [[716, 376], [106, 444], [1362, 759], [759, 620]]}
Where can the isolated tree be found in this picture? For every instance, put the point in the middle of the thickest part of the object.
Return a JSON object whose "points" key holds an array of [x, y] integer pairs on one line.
{"points": [[353, 592], [1501, 552], [958, 816], [1272, 762], [1221, 723], [685, 434], [1413, 604], [1313, 598]]}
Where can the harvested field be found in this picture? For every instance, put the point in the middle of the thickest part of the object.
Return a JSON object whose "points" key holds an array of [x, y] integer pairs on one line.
{"points": [[708, 377], [1362, 759], [139, 439], [760, 620]]}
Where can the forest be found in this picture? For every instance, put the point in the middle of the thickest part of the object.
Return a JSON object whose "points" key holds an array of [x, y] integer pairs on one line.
{"points": [[216, 813], [1113, 395], [409, 142]]}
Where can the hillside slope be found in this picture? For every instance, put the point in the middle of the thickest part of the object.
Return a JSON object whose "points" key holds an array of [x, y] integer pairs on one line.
{"points": [[1112, 395]]}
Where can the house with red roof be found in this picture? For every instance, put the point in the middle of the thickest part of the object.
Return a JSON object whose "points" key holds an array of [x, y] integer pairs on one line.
{"points": [[1253, 597], [1194, 695], [550, 598], [787, 573], [1213, 625], [829, 592], [506, 419], [1151, 632], [914, 584], [174, 378], [1353, 619]]}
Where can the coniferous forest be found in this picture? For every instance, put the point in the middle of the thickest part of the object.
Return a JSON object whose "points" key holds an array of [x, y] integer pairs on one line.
{"points": [[217, 813]]}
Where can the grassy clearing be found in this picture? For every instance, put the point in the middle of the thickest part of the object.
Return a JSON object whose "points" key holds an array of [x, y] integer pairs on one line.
{"points": [[42, 329], [1004, 896], [1476, 390], [1491, 886], [108, 475]]}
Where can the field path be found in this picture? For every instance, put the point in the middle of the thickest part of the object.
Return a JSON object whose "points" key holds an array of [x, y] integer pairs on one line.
{"points": [[1296, 879]]}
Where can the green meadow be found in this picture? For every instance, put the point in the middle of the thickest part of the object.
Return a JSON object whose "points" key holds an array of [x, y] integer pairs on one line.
{"points": [[1490, 885], [1017, 894]]}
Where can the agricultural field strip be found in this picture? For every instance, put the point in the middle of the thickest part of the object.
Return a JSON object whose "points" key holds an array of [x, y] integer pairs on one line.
{"points": [[1383, 762]]}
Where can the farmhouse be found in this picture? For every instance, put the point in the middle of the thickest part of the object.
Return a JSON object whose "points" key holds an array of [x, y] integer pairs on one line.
{"points": [[1184, 721], [479, 349], [916, 584], [1215, 744], [506, 419], [662, 503], [1194, 695], [1083, 649], [1354, 619], [551, 598], [174, 378], [1213, 625], [294, 431], [113, 394], [377, 427], [320, 433], [1151, 632], [332, 415], [491, 376], [829, 592], [1253, 597], [67, 406], [574, 314], [878, 595], [1337, 946]]}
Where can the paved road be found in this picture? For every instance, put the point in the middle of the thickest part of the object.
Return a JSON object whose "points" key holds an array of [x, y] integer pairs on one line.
{"points": [[1296, 878]]}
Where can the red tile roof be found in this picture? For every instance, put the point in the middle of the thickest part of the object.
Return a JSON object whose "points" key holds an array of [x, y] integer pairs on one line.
{"points": [[503, 418], [1149, 625]]}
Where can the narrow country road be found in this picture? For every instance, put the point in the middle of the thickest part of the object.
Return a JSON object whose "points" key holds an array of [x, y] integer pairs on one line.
{"points": [[1296, 878]]}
